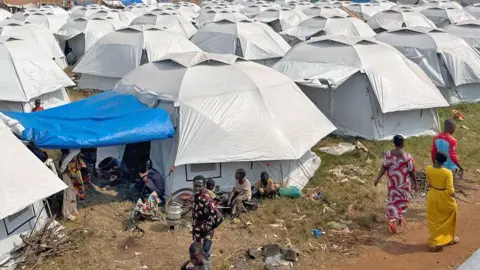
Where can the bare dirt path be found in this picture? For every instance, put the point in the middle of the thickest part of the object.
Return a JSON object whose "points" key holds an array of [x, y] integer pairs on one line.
{"points": [[408, 250]]}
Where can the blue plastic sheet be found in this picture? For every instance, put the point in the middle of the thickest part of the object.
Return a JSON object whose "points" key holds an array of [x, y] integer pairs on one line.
{"points": [[105, 119]]}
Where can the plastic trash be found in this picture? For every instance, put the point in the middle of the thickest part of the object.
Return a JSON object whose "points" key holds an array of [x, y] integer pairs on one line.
{"points": [[291, 192], [317, 233]]}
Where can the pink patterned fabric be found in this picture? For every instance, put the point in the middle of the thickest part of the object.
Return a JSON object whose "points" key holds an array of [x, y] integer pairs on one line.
{"points": [[399, 184]]}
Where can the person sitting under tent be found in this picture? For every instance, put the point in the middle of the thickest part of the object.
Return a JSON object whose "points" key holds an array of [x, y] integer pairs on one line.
{"points": [[153, 181], [210, 185], [38, 106], [242, 192], [265, 187]]}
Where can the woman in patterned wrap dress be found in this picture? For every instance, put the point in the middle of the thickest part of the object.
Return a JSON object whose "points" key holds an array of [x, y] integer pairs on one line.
{"points": [[400, 168]]}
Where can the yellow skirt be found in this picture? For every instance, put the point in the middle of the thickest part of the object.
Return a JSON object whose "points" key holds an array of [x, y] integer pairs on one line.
{"points": [[442, 217]]}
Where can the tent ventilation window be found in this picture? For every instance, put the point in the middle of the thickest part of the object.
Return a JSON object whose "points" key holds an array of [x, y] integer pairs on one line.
{"points": [[17, 220], [208, 170]]}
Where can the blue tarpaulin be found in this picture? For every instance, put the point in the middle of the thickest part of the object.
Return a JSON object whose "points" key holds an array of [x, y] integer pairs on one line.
{"points": [[105, 119]]}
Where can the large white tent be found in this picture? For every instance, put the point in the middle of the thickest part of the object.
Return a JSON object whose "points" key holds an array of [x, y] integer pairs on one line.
{"points": [[443, 16], [81, 34], [391, 19], [49, 16], [249, 40], [322, 25], [229, 114], [281, 18], [38, 35], [117, 53], [120, 15], [21, 192], [468, 30], [27, 75], [384, 4], [365, 87], [86, 12], [448, 60], [168, 21]]}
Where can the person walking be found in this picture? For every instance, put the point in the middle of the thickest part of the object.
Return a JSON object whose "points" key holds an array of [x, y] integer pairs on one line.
{"points": [[441, 205], [205, 219], [400, 169], [446, 143]]}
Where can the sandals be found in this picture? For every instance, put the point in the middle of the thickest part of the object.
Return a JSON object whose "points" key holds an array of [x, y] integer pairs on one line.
{"points": [[391, 226], [440, 248], [454, 241], [435, 248]]}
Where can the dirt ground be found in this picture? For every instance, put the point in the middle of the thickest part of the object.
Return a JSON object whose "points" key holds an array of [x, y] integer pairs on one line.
{"points": [[408, 250]]}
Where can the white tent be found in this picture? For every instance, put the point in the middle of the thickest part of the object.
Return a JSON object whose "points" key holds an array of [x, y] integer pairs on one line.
{"points": [[229, 114], [124, 16], [443, 16], [212, 16], [384, 4], [27, 75], [51, 17], [186, 9], [439, 3], [86, 12], [253, 9], [365, 87], [328, 3], [4, 15], [473, 10], [81, 34], [138, 9], [280, 19], [249, 40], [117, 53], [321, 25], [38, 35], [363, 10], [21, 192], [326, 11], [391, 19], [468, 30], [448, 60], [172, 22]]}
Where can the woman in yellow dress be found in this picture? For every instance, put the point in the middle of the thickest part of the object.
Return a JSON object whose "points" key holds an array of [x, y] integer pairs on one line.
{"points": [[441, 205]]}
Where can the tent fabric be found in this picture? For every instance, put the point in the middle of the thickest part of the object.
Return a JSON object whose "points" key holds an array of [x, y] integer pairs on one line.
{"points": [[443, 16], [26, 74], [325, 11], [87, 31], [86, 12], [321, 25], [43, 18], [398, 84], [219, 98], [171, 22], [117, 53], [49, 100], [391, 19], [384, 4], [249, 40], [468, 30], [119, 15], [21, 188], [473, 10], [216, 16], [4, 14], [39, 35], [280, 19], [102, 120], [364, 10], [422, 46]]}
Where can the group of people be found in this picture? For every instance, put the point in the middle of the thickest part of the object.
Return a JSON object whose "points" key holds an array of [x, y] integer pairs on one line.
{"points": [[441, 204], [207, 217]]}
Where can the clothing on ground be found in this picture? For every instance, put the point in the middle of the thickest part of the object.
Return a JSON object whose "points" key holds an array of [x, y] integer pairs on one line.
{"points": [[398, 183], [441, 206], [446, 143]]}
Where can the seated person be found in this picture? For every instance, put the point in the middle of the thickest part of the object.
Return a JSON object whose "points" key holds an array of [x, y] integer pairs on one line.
{"points": [[153, 180], [265, 187], [198, 260], [209, 188], [241, 192]]}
